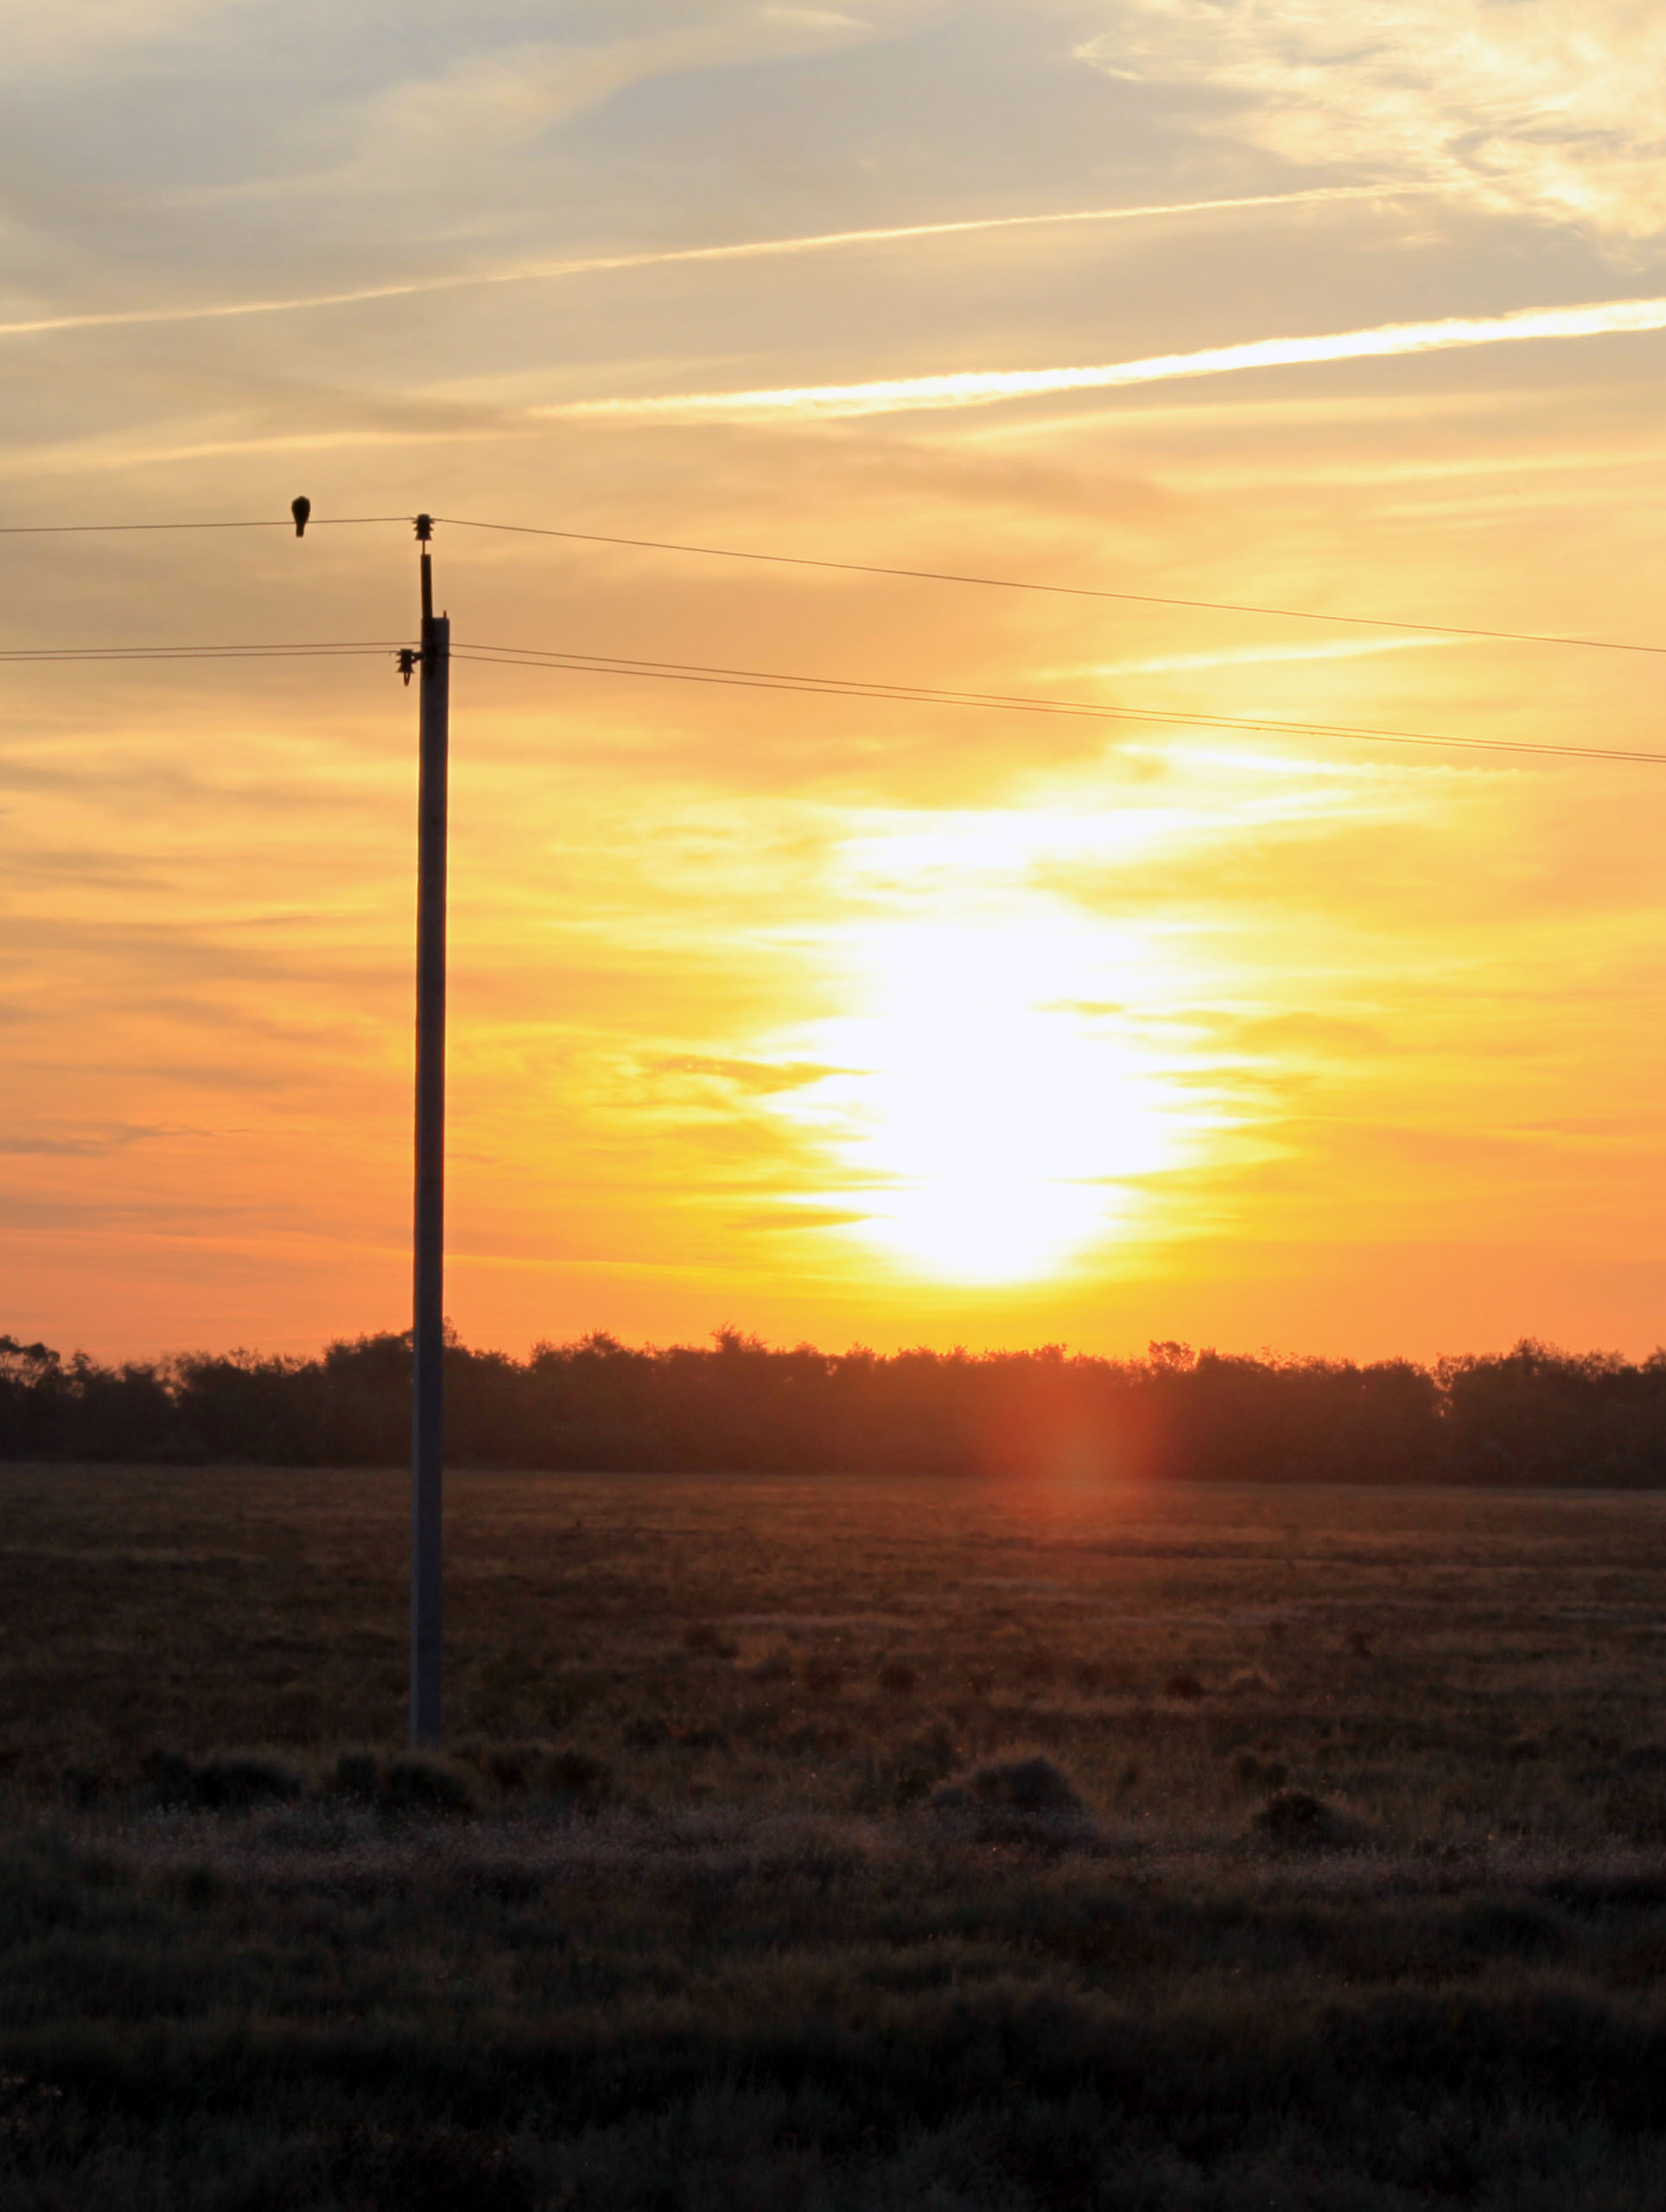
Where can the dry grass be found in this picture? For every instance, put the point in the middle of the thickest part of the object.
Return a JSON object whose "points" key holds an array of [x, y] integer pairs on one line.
{"points": [[831, 1842], [1455, 1665]]}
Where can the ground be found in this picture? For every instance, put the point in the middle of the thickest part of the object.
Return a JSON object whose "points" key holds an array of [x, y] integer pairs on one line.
{"points": [[831, 1842]]}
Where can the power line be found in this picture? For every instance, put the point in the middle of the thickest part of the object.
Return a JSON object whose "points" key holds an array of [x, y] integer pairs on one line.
{"points": [[1067, 591], [876, 568], [79, 528], [836, 687], [54, 654], [924, 694]]}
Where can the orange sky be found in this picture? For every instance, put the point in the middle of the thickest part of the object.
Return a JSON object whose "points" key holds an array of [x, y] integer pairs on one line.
{"points": [[840, 1018]]}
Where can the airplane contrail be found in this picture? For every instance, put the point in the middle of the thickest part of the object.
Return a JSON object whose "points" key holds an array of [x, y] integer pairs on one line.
{"points": [[985, 387], [746, 250]]}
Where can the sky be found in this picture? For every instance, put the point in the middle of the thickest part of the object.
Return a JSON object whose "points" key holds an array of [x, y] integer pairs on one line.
{"points": [[839, 1018]]}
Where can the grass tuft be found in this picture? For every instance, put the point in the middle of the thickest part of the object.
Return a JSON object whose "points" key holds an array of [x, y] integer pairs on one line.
{"points": [[1294, 1820]]}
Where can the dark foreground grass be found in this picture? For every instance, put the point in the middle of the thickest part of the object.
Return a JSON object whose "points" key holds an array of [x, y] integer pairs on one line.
{"points": [[830, 1844]]}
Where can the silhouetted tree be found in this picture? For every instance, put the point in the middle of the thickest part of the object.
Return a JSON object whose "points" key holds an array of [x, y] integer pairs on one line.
{"points": [[1531, 1416]]}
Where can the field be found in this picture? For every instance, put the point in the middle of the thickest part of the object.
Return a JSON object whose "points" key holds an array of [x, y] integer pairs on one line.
{"points": [[831, 1842]]}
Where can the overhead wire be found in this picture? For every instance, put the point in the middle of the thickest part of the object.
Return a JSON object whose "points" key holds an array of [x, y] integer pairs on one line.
{"points": [[880, 568], [287, 522], [845, 687], [1067, 591], [925, 694], [834, 687], [323, 650]]}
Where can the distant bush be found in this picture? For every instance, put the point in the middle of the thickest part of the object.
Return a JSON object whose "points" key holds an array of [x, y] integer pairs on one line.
{"points": [[1532, 1415], [1294, 1820], [228, 1785], [425, 1785], [1025, 1800]]}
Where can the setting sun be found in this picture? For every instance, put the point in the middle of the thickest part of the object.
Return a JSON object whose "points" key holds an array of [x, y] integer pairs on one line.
{"points": [[991, 1106], [995, 1113]]}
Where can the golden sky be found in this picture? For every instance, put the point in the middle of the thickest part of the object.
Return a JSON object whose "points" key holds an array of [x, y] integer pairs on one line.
{"points": [[845, 1019]]}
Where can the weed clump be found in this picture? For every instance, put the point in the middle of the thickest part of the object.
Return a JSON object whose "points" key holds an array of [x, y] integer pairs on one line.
{"points": [[1294, 1820], [707, 1640], [909, 1773], [357, 1774], [576, 1773], [1255, 1771], [1026, 1800], [420, 1785], [83, 1787], [219, 1785], [1644, 1758]]}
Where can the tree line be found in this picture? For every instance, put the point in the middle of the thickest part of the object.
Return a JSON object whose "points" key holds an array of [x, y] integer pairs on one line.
{"points": [[1531, 1416]]}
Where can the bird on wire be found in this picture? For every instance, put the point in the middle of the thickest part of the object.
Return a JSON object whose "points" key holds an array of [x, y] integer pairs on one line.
{"points": [[300, 508]]}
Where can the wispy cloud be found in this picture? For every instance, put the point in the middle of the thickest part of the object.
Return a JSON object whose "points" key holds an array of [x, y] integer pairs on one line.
{"points": [[985, 387], [1252, 655], [743, 250], [1550, 107]]}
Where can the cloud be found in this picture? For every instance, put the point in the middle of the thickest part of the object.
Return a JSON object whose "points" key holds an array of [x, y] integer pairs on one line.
{"points": [[985, 387], [742, 250], [759, 1078], [486, 101], [1547, 106], [61, 37], [1248, 656]]}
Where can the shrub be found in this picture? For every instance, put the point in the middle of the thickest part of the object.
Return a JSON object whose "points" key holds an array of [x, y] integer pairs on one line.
{"points": [[508, 1766], [1295, 1819], [575, 1774], [227, 1785], [897, 1679], [357, 1774], [1026, 1799], [422, 1785]]}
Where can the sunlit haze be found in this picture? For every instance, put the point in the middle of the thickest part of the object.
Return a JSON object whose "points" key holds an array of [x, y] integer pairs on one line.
{"points": [[837, 1017]]}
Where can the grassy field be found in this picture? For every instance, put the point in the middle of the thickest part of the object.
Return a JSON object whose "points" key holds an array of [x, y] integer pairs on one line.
{"points": [[831, 1842]]}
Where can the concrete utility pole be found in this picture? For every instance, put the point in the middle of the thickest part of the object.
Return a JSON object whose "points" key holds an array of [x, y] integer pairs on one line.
{"points": [[428, 1336]]}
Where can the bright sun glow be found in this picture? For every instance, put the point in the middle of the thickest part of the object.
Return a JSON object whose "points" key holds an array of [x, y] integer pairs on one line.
{"points": [[995, 1119], [995, 1100]]}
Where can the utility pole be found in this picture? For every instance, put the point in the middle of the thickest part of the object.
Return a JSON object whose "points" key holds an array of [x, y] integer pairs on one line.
{"points": [[427, 1334]]}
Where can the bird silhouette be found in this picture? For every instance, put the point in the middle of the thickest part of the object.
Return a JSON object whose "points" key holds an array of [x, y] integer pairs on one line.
{"points": [[300, 508]]}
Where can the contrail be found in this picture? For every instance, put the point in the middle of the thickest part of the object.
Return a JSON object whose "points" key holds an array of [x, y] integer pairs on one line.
{"points": [[984, 387], [749, 250]]}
